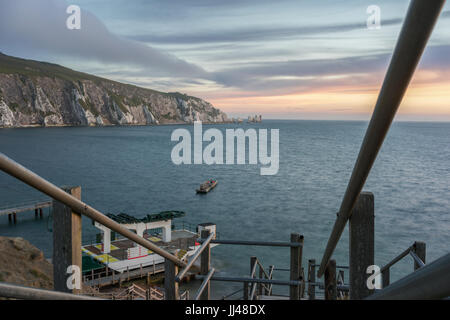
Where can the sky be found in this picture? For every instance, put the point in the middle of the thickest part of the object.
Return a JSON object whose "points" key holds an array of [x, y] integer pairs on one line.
{"points": [[284, 59]]}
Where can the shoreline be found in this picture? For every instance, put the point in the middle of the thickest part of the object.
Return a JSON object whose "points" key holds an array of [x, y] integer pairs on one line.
{"points": [[111, 125]]}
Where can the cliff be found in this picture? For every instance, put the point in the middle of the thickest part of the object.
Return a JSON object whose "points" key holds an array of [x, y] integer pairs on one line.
{"points": [[24, 264], [36, 93]]}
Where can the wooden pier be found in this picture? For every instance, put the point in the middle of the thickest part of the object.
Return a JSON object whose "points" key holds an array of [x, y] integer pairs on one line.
{"points": [[34, 205]]}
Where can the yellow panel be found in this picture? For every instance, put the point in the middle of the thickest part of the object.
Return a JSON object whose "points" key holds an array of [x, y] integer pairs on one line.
{"points": [[113, 247], [105, 258]]}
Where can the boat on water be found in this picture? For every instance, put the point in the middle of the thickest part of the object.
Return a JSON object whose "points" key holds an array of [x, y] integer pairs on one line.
{"points": [[207, 186]]}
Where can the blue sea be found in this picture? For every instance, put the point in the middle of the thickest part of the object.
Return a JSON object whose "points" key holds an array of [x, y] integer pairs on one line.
{"points": [[129, 169]]}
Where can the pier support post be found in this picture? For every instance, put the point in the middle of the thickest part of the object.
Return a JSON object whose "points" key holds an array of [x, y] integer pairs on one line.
{"points": [[311, 278], [170, 285], [40, 213], [205, 265], [330, 281], [15, 217], [362, 245], [9, 217], [419, 249], [36, 213], [296, 266], [67, 245]]}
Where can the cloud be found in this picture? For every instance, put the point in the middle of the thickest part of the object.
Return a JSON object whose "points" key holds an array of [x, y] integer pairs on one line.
{"points": [[39, 27], [253, 34], [313, 74]]}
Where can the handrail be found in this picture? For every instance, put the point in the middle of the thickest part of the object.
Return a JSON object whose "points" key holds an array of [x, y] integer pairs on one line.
{"points": [[253, 280], [432, 281], [197, 254], [256, 243], [204, 283], [416, 259], [420, 20], [396, 259], [16, 170], [9, 290]]}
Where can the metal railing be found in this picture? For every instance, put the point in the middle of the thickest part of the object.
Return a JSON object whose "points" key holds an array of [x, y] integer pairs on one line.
{"points": [[204, 284], [252, 284], [432, 281], [411, 250], [419, 23], [194, 257]]}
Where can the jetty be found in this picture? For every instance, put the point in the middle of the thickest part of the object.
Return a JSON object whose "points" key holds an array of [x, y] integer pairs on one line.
{"points": [[27, 206], [325, 279]]}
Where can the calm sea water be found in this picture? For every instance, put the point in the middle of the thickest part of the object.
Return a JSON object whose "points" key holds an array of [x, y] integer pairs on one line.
{"points": [[129, 169]]}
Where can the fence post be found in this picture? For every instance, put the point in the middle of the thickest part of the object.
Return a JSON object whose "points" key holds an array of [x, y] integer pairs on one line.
{"points": [[311, 278], [330, 281], [362, 245], [296, 266], [170, 285], [66, 243], [386, 277], [205, 264], [419, 249]]}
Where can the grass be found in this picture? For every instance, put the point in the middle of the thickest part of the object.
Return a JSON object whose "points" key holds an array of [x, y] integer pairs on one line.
{"points": [[87, 105], [13, 106], [119, 101]]}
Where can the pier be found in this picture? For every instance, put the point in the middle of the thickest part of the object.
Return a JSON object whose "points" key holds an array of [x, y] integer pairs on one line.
{"points": [[28, 206]]}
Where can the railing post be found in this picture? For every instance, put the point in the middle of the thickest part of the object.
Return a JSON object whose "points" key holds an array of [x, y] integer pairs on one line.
{"points": [[205, 265], [386, 277], [260, 286], [66, 243], [330, 281], [296, 265], [253, 262], [311, 278], [170, 285], [419, 249], [362, 245], [245, 292]]}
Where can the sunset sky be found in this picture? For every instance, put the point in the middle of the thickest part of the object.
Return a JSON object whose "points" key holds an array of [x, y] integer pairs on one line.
{"points": [[285, 59]]}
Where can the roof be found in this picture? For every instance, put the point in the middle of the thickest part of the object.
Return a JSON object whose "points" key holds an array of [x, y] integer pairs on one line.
{"points": [[124, 218]]}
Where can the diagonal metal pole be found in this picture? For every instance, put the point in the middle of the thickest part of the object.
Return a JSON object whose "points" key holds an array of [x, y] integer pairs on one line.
{"points": [[16, 170], [420, 20]]}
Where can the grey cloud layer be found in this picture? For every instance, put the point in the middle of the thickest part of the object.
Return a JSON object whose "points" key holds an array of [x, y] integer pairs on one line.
{"points": [[40, 26], [252, 34]]}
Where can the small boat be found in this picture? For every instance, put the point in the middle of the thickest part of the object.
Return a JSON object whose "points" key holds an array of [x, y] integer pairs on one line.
{"points": [[206, 186]]}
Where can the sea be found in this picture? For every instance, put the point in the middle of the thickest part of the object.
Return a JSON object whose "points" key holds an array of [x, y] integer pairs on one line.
{"points": [[129, 169]]}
